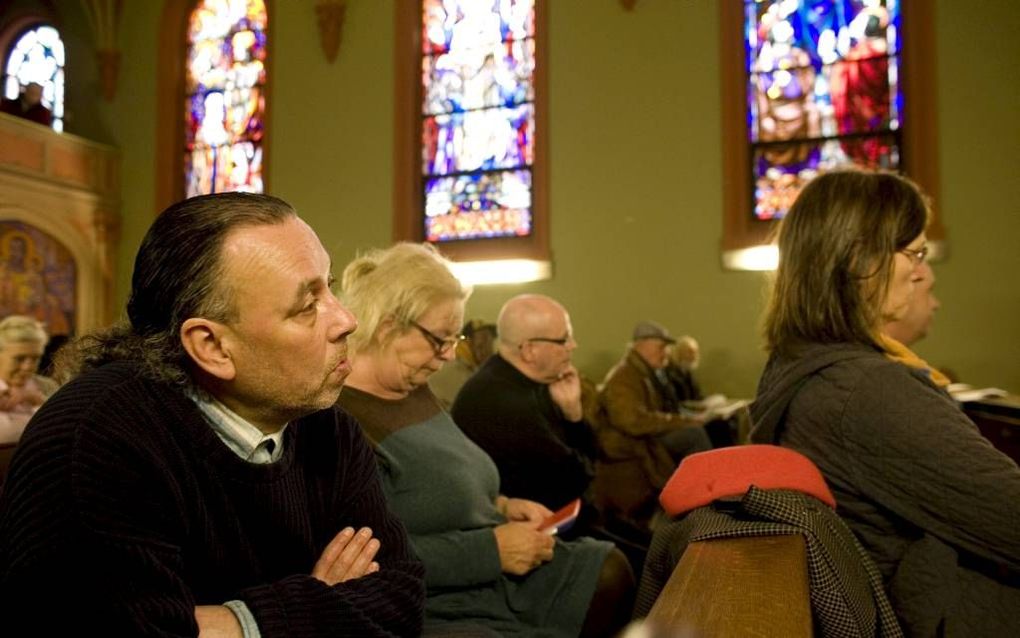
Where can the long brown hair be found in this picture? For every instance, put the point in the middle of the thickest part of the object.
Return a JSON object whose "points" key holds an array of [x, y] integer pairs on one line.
{"points": [[836, 250]]}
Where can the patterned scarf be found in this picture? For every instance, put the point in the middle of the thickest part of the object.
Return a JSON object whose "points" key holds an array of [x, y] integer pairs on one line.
{"points": [[896, 351]]}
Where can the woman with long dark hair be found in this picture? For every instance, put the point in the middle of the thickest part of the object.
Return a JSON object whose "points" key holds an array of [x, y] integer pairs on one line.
{"points": [[932, 501]]}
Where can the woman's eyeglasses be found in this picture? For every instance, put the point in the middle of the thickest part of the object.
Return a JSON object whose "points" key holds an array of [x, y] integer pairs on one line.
{"points": [[439, 345], [916, 256]]}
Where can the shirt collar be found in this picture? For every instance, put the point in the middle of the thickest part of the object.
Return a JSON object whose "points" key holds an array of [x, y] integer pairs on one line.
{"points": [[243, 438]]}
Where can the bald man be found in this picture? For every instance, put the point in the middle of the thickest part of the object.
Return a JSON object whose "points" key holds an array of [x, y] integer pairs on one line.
{"points": [[523, 406], [916, 322]]}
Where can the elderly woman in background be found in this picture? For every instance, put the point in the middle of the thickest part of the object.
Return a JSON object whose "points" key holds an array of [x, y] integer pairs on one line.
{"points": [[22, 391], [486, 561], [932, 501]]}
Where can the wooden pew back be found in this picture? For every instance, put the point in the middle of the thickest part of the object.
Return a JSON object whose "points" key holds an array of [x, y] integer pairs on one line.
{"points": [[749, 586]]}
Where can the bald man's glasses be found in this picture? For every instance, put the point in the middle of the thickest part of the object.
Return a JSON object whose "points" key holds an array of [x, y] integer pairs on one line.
{"points": [[562, 341], [439, 345]]}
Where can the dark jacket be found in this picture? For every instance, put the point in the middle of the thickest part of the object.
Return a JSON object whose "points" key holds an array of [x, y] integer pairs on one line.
{"points": [[541, 455], [933, 502], [36, 113], [683, 384], [846, 590]]}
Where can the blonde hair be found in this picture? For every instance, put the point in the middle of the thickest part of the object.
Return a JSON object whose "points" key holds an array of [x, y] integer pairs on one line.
{"points": [[22, 329], [399, 283]]}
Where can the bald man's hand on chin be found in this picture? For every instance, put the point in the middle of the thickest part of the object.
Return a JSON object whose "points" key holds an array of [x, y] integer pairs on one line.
{"points": [[566, 394]]}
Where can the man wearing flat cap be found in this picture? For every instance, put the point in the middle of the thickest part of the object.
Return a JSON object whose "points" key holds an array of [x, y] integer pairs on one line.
{"points": [[644, 437]]}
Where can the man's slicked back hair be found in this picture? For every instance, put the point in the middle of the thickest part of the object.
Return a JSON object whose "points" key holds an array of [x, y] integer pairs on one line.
{"points": [[178, 274]]}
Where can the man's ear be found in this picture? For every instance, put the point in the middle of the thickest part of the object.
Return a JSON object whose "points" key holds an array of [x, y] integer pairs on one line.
{"points": [[208, 344], [525, 353]]}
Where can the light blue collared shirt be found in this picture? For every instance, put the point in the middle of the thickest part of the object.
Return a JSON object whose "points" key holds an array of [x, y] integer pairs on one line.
{"points": [[252, 445], [243, 438]]}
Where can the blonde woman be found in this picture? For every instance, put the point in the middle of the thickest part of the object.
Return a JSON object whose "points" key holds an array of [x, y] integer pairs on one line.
{"points": [[487, 563]]}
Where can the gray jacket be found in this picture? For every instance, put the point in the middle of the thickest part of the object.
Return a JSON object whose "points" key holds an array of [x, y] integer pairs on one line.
{"points": [[933, 502]]}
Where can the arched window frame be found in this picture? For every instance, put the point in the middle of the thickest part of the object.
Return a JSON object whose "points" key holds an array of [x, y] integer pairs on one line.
{"points": [[12, 32], [170, 94], [742, 233], [408, 205]]}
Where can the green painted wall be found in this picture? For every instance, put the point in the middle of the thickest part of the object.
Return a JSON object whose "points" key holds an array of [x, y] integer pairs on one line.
{"points": [[131, 120], [977, 332], [635, 171]]}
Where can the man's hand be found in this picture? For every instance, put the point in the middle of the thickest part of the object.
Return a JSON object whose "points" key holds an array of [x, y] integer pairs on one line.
{"points": [[691, 418], [7, 400], [217, 621], [521, 509], [11, 398], [32, 397], [566, 393], [698, 418], [348, 556], [522, 547]]}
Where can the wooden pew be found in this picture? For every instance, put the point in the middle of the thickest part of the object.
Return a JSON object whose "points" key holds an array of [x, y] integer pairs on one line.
{"points": [[751, 586]]}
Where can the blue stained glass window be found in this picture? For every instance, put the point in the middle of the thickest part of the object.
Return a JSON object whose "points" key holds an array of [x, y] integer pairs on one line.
{"points": [[481, 204], [489, 139], [478, 129], [823, 92], [225, 105], [38, 56]]}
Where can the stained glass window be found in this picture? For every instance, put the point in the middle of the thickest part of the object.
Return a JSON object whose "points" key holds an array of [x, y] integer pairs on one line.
{"points": [[38, 56], [823, 92], [225, 102], [478, 111]]}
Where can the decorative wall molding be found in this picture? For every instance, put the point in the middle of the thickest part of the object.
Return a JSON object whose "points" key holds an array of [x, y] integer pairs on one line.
{"points": [[104, 17], [108, 61], [69, 188], [330, 16]]}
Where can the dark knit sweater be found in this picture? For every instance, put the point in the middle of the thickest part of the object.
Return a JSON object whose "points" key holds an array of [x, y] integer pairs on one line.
{"points": [[541, 455], [123, 511]]}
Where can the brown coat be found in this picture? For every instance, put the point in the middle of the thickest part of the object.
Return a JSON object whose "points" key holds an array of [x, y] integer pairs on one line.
{"points": [[634, 465]]}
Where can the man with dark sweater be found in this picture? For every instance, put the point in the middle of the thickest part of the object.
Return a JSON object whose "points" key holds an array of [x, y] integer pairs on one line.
{"points": [[523, 406], [194, 477]]}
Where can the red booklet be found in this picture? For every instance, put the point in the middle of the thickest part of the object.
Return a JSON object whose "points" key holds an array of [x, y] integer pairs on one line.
{"points": [[562, 519]]}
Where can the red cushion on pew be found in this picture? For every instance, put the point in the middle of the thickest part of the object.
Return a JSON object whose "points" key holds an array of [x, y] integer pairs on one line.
{"points": [[725, 472]]}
